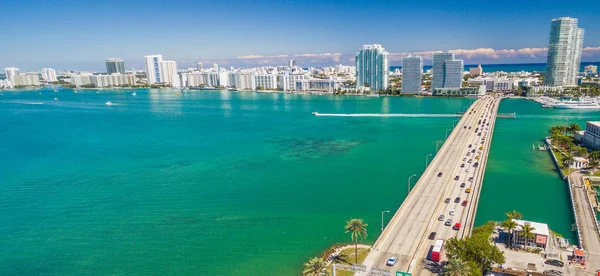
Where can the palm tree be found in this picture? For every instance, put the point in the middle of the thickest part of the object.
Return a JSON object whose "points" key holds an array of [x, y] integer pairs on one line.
{"points": [[574, 128], [509, 225], [594, 158], [513, 215], [314, 267], [527, 232], [456, 267], [359, 230]]}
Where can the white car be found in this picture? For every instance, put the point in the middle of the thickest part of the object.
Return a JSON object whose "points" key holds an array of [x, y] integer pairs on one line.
{"points": [[452, 212], [391, 261]]}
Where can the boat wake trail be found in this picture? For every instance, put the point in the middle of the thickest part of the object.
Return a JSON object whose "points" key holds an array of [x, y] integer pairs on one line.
{"points": [[382, 115], [21, 102], [557, 117]]}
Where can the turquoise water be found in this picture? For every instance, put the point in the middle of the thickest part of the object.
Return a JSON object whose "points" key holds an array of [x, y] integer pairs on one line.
{"points": [[224, 183]]}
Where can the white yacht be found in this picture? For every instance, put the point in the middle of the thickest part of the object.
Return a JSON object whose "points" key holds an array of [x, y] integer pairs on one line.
{"points": [[134, 94], [580, 104], [109, 103]]}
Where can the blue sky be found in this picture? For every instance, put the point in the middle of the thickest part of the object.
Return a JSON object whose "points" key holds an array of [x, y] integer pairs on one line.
{"points": [[81, 34]]}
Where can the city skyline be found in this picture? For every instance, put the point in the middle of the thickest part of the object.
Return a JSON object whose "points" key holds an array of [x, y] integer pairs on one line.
{"points": [[503, 34]]}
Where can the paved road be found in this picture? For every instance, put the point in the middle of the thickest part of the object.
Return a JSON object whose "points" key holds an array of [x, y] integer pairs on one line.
{"points": [[585, 221], [406, 236]]}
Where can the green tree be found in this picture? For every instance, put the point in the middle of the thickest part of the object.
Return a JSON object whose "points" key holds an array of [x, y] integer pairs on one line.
{"points": [[527, 233], [476, 249], [574, 128], [456, 267], [509, 225], [594, 158], [513, 215], [358, 229], [315, 266]]}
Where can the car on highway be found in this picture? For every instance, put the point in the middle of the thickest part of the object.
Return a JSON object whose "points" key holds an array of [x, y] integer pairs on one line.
{"points": [[448, 222], [440, 174], [447, 200], [468, 190], [441, 217], [457, 199], [553, 272], [476, 164], [462, 185], [432, 235], [464, 203], [456, 226], [468, 154], [469, 127], [554, 263], [470, 145], [470, 160], [465, 127], [471, 179], [391, 261], [467, 170], [473, 151], [462, 165], [452, 212], [456, 177]]}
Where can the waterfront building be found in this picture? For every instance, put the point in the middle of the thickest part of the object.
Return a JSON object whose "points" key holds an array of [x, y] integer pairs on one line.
{"points": [[81, 79], [328, 85], [224, 78], [48, 74], [26, 79], [494, 84], [200, 66], [591, 69], [169, 73], [287, 81], [460, 92], [112, 80], [541, 235], [476, 71], [372, 68], [591, 136], [10, 73], [293, 63], [447, 71], [241, 80], [5, 84], [115, 65], [154, 70], [564, 52], [412, 70], [216, 67], [264, 81]]}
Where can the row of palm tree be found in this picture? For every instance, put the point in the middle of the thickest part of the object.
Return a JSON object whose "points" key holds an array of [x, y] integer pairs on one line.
{"points": [[510, 224], [317, 266]]}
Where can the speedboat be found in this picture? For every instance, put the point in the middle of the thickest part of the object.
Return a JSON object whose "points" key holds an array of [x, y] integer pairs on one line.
{"points": [[133, 94], [109, 103]]}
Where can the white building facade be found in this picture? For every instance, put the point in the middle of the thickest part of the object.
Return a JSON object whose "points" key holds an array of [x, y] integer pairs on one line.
{"points": [[591, 136], [10, 73], [153, 64], [48, 74], [447, 71], [372, 68], [169, 73], [564, 52]]}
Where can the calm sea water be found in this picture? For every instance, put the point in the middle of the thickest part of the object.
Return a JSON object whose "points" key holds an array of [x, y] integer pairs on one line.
{"points": [[224, 183]]}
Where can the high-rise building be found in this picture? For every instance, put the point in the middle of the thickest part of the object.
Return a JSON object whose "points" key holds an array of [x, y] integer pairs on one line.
{"points": [[412, 70], [564, 52], [216, 67], [447, 71], [10, 73], [154, 68], [115, 65], [200, 66], [48, 74], [372, 68], [293, 63], [169, 73]]}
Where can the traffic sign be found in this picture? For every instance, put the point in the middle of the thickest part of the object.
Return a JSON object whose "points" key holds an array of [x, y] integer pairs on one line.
{"points": [[398, 273]]}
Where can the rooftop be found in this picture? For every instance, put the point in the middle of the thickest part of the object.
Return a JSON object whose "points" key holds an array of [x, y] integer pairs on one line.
{"points": [[540, 228]]}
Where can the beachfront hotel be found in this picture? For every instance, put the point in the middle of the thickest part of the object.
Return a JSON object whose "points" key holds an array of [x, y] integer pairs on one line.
{"points": [[153, 65], [447, 71], [564, 52], [412, 69], [115, 65], [169, 73], [48, 74], [372, 68]]}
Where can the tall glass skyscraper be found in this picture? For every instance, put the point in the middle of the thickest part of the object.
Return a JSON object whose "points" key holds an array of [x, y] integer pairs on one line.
{"points": [[115, 65], [447, 71], [412, 70], [564, 52], [372, 68]]}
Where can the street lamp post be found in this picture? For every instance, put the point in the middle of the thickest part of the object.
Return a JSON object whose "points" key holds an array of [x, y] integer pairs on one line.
{"points": [[427, 159], [409, 181], [437, 145], [382, 218]]}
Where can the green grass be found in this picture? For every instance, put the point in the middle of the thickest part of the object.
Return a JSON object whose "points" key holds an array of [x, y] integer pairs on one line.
{"points": [[561, 160], [348, 256]]}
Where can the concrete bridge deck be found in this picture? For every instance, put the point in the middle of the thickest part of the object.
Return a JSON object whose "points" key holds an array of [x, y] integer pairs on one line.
{"points": [[406, 236]]}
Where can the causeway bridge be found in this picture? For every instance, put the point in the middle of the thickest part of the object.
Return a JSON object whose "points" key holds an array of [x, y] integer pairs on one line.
{"points": [[440, 190]]}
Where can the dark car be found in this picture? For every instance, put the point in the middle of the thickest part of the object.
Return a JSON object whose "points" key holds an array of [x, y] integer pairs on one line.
{"points": [[471, 179], [473, 151], [470, 145], [456, 178], [464, 203], [476, 164], [465, 127], [432, 235], [555, 263], [462, 165], [447, 200], [462, 185], [440, 174], [457, 200], [469, 127]]}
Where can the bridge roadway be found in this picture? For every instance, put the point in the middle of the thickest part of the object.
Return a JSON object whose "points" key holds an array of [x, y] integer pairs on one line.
{"points": [[406, 235]]}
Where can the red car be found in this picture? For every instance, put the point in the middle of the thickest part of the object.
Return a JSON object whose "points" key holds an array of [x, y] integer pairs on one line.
{"points": [[464, 203], [456, 226]]}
